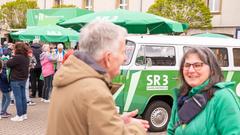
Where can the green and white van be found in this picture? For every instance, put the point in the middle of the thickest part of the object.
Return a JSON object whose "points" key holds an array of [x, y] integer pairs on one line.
{"points": [[151, 72]]}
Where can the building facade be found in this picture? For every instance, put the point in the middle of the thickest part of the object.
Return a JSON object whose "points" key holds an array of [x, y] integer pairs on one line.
{"points": [[4, 1], [100, 5], [225, 19]]}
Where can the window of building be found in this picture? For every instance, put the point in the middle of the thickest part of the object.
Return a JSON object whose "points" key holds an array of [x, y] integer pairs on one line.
{"points": [[236, 58], [88, 4], [123, 4], [214, 6], [157, 56], [57, 2]]}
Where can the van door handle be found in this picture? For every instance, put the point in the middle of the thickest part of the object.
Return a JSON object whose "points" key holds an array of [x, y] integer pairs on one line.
{"points": [[175, 78]]}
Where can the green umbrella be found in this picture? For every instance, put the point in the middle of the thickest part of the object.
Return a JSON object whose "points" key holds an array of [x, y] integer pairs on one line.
{"points": [[134, 22], [211, 35], [39, 17], [49, 33]]}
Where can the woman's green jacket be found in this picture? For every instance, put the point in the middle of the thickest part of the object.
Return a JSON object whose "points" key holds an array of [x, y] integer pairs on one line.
{"points": [[221, 116]]}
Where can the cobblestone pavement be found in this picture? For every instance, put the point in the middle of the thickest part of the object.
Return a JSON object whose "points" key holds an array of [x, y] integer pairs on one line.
{"points": [[34, 125]]}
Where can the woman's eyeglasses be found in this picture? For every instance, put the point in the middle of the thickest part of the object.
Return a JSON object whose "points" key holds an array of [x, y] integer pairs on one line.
{"points": [[197, 66]]}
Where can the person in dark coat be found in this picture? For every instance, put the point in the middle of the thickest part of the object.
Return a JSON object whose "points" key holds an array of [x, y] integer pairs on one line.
{"points": [[5, 88], [36, 83], [7, 49], [19, 66]]}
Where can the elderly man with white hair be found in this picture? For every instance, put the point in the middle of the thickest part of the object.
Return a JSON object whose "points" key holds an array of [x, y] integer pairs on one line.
{"points": [[60, 53], [82, 103]]}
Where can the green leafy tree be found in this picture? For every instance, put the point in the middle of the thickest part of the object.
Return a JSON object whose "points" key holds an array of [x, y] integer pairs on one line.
{"points": [[63, 6], [193, 12], [14, 13]]}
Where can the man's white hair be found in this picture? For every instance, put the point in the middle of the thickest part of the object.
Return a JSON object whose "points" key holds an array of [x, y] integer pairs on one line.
{"points": [[100, 36], [36, 40], [60, 45]]}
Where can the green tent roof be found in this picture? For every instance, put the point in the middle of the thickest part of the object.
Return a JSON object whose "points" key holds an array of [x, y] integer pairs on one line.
{"points": [[36, 17], [214, 35], [48, 33], [134, 22]]}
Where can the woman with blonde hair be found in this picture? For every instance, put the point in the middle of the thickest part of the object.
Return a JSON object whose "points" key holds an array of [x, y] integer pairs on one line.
{"points": [[47, 60]]}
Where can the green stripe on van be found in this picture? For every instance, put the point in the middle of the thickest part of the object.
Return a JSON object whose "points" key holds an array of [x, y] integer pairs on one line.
{"points": [[118, 92], [132, 89], [229, 76]]}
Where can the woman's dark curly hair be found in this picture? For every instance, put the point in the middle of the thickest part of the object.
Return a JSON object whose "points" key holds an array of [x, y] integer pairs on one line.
{"points": [[21, 48]]}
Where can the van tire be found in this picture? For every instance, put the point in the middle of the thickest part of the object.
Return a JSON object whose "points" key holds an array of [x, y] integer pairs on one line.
{"points": [[162, 110]]}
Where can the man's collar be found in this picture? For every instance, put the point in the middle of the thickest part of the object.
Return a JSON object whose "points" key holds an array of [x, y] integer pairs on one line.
{"points": [[90, 61]]}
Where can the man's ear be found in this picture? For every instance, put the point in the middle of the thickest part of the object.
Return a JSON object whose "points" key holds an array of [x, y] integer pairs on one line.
{"points": [[107, 59]]}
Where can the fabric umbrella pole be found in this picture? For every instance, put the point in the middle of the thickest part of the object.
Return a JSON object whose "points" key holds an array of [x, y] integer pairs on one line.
{"points": [[49, 33], [134, 22]]}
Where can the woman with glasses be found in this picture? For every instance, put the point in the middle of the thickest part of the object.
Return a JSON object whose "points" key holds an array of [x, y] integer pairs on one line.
{"points": [[204, 105]]}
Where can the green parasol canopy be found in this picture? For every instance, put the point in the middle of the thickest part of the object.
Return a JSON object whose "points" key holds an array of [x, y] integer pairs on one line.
{"points": [[49, 33], [37, 17], [211, 35], [134, 22]]}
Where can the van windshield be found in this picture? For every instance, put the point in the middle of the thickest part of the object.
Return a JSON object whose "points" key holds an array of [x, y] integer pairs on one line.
{"points": [[130, 47]]}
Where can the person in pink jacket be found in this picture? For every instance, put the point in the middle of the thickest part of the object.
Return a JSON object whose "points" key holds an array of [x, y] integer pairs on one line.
{"points": [[47, 61]]}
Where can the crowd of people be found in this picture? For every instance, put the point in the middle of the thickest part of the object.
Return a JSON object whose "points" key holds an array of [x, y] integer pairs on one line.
{"points": [[81, 99], [27, 72]]}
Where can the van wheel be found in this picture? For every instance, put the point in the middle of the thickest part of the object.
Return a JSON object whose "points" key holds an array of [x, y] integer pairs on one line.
{"points": [[158, 115]]}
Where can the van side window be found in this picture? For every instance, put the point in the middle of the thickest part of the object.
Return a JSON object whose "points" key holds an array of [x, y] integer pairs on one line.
{"points": [[236, 58], [220, 53], [158, 55], [222, 56]]}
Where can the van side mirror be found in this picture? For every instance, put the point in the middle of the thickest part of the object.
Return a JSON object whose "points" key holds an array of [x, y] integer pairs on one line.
{"points": [[140, 60]]}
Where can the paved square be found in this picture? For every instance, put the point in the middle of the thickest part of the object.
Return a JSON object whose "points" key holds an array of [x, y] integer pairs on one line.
{"points": [[34, 125]]}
